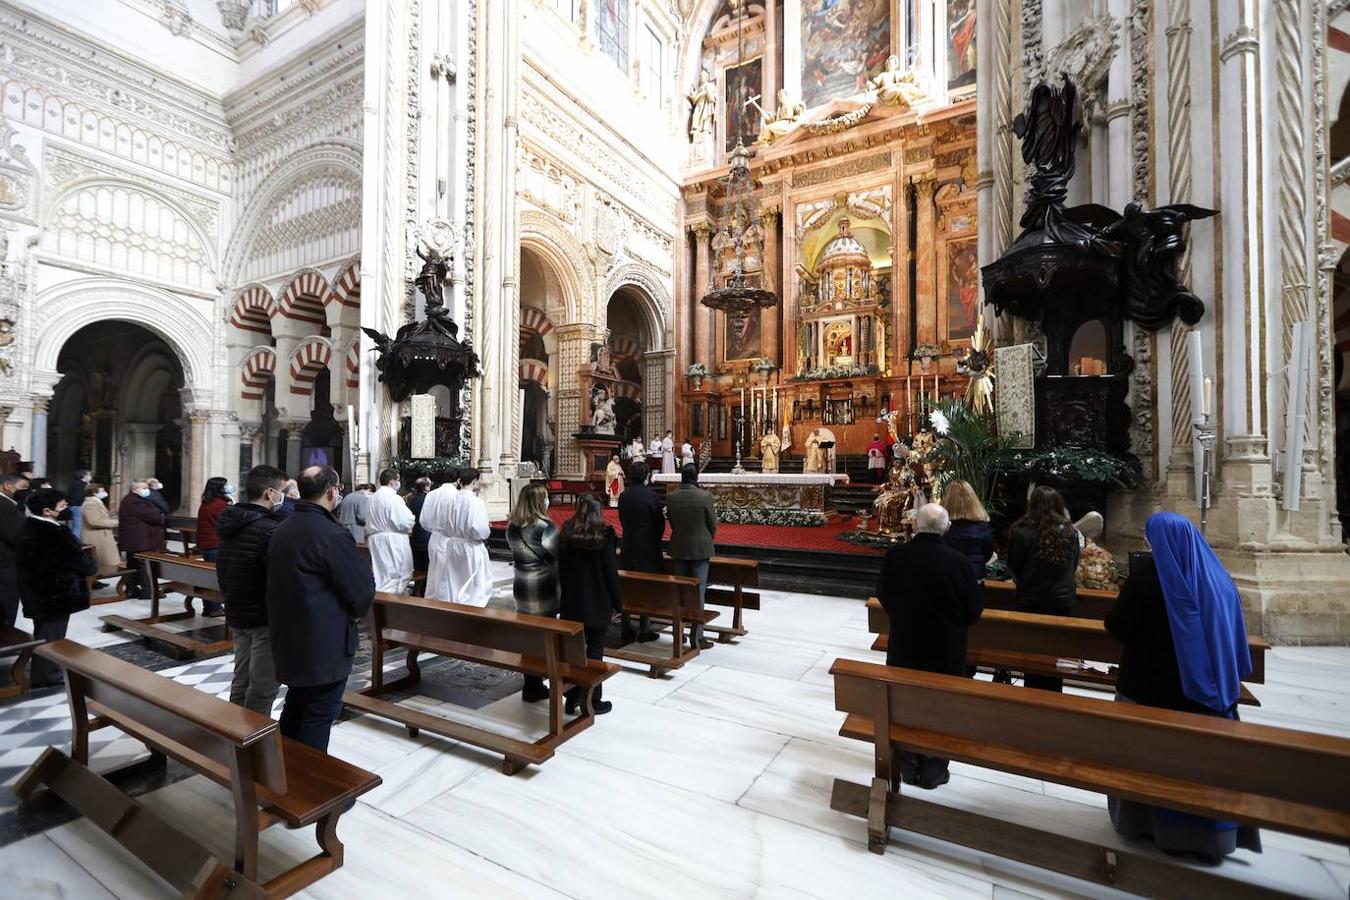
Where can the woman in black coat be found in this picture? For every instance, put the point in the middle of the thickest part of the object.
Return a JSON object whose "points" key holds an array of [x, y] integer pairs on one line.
{"points": [[52, 567], [970, 533], [1043, 556], [588, 581], [644, 527]]}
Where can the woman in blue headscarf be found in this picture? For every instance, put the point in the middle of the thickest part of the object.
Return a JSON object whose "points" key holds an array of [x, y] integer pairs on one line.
{"points": [[1180, 620]]}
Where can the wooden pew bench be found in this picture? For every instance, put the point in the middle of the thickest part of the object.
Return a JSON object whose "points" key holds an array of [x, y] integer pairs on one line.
{"points": [[1091, 604], [1269, 777], [272, 779], [187, 536], [1036, 644], [190, 577], [669, 598], [532, 645], [728, 578], [20, 645], [419, 578]]}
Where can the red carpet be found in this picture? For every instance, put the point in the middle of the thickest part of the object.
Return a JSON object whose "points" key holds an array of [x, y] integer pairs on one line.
{"points": [[789, 538]]}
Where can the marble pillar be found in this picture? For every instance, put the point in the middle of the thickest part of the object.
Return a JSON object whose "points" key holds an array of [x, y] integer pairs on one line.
{"points": [[138, 453], [925, 279], [250, 436], [703, 317], [38, 448], [5, 413], [196, 455], [292, 428], [770, 323]]}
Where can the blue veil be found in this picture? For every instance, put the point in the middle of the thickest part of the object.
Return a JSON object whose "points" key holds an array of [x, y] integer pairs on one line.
{"points": [[1203, 610]]}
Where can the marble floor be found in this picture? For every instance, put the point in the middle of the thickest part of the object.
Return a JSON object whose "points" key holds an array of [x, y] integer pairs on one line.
{"points": [[711, 782]]}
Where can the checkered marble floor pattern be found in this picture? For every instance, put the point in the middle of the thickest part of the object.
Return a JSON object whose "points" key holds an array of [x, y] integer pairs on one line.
{"points": [[43, 720]]}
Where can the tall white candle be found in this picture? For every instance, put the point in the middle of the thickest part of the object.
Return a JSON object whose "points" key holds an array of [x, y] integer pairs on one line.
{"points": [[1195, 354], [351, 425], [1209, 398]]}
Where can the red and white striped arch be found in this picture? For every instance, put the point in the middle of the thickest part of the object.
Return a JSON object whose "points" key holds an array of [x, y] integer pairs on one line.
{"points": [[311, 357], [533, 321], [253, 309], [347, 286], [305, 297], [629, 389], [533, 371], [624, 348], [259, 366], [353, 364]]}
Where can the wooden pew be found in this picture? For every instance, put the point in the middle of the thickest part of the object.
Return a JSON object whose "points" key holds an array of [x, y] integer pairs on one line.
{"points": [[190, 577], [532, 645], [272, 779], [1035, 644], [1091, 604], [728, 578], [671, 598], [187, 535], [20, 644], [1269, 777], [121, 576]]}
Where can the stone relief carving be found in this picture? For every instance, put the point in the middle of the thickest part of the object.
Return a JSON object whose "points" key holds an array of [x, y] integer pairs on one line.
{"points": [[176, 18], [842, 170], [1086, 56], [62, 167], [18, 178]]}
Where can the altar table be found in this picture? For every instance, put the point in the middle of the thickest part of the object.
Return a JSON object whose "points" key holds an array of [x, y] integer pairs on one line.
{"points": [[758, 498]]}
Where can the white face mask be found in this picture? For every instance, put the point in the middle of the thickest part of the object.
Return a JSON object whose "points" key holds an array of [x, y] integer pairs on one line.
{"points": [[143, 492], [396, 486], [545, 503], [88, 478], [229, 490], [101, 495]]}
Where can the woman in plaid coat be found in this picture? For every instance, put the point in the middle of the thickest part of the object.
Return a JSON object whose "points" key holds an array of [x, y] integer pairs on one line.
{"points": [[534, 553]]}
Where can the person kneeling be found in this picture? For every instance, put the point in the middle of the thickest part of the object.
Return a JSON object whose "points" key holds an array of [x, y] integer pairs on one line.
{"points": [[931, 599]]}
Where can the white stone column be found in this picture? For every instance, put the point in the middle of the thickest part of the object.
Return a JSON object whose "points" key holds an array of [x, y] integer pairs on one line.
{"points": [[292, 429], [196, 454], [38, 450], [138, 455]]}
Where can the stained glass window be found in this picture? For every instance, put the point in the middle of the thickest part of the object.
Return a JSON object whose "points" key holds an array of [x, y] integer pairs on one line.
{"points": [[611, 30]]}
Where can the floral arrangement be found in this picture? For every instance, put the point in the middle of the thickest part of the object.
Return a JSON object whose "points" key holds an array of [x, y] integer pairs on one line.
{"points": [[824, 373], [1074, 464], [763, 364], [696, 370], [933, 351], [411, 468], [965, 448], [801, 518]]}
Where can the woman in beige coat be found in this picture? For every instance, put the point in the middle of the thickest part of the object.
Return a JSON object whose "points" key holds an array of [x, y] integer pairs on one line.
{"points": [[98, 529]]}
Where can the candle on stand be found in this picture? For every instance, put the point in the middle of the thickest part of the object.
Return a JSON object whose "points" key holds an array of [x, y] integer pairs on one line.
{"points": [[1209, 398], [351, 425]]}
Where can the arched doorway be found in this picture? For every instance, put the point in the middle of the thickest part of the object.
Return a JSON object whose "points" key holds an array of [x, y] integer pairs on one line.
{"points": [[540, 302], [117, 409], [630, 338]]}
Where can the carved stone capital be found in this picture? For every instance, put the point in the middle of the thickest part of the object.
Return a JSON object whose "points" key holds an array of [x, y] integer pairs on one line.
{"points": [[1243, 40]]}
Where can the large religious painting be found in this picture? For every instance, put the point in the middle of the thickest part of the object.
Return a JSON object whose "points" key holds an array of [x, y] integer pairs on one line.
{"points": [[844, 43], [963, 288], [744, 84], [960, 43], [742, 337]]}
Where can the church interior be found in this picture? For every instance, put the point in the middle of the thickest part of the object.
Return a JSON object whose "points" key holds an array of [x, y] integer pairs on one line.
{"points": [[1061, 286]]}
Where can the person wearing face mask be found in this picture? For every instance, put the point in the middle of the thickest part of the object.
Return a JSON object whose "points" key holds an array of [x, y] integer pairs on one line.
{"points": [[241, 567], [156, 495], [98, 529], [318, 587], [140, 529], [52, 568], [75, 501], [388, 524], [216, 498], [460, 558], [11, 523]]}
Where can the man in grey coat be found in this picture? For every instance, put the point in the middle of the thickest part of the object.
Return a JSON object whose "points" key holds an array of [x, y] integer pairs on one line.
{"points": [[693, 525]]}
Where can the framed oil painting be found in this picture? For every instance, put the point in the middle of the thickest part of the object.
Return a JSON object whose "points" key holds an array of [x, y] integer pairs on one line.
{"points": [[843, 45]]}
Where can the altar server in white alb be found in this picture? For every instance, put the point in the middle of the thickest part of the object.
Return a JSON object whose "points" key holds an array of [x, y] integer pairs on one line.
{"points": [[668, 454], [464, 573], [389, 523], [437, 506]]}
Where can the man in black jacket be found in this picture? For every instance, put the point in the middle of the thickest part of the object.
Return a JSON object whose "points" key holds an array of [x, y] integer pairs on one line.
{"points": [[420, 538], [52, 567], [241, 567], [931, 598], [11, 522], [644, 525], [318, 588]]}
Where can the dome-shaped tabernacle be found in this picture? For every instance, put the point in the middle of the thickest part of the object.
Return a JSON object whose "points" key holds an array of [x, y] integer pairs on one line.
{"points": [[843, 251]]}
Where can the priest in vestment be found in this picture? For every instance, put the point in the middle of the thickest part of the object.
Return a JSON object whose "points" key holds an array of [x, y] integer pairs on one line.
{"points": [[815, 457], [389, 523], [464, 574], [769, 445], [614, 480], [668, 454]]}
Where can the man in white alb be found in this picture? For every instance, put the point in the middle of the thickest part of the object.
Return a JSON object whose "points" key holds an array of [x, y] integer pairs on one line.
{"points": [[668, 454], [437, 506], [464, 574], [389, 522]]}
